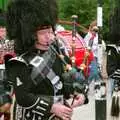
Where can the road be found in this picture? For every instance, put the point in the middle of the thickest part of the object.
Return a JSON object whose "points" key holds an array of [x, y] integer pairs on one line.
{"points": [[87, 112]]}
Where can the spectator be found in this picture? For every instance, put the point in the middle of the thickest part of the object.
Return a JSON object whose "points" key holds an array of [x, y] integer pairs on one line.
{"points": [[91, 40], [5, 99]]}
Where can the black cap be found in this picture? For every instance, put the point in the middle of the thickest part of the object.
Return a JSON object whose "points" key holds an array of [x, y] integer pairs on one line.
{"points": [[24, 17]]}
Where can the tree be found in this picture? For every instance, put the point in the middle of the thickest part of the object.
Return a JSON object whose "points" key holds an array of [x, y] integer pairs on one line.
{"points": [[86, 11], [114, 33], [3, 4]]}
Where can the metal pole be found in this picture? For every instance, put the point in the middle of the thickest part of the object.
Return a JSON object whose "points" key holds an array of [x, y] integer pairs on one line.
{"points": [[100, 101]]}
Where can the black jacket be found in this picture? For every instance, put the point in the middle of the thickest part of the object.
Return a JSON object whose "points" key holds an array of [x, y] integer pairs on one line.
{"points": [[34, 100], [113, 59]]}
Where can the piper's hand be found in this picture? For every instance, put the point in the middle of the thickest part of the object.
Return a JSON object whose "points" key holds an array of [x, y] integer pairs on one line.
{"points": [[61, 111], [5, 107], [78, 100]]}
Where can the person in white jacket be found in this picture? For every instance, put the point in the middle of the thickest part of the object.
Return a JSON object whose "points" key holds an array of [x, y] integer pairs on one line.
{"points": [[91, 40]]}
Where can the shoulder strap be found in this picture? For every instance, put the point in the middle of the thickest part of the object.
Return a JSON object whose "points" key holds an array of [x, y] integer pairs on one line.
{"points": [[42, 67]]}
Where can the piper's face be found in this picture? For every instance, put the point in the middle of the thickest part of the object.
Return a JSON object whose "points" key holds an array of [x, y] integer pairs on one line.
{"points": [[2, 33], [44, 38]]}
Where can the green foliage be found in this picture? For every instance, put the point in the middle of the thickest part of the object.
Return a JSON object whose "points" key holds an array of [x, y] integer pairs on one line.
{"points": [[3, 4], [115, 23], [86, 11]]}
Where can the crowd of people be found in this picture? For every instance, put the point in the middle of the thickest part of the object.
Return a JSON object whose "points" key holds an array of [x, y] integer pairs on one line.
{"points": [[39, 74]]}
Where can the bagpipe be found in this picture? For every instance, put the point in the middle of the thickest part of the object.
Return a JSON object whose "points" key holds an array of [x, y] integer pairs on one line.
{"points": [[70, 75], [73, 76], [75, 70], [80, 55]]}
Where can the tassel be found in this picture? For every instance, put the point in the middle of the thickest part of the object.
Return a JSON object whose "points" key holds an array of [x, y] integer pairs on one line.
{"points": [[117, 107], [113, 106]]}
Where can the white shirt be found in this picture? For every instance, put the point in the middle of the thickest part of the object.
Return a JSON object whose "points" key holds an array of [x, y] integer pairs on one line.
{"points": [[95, 42]]}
